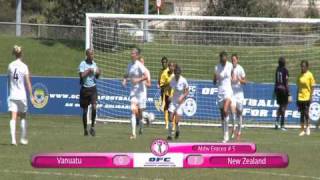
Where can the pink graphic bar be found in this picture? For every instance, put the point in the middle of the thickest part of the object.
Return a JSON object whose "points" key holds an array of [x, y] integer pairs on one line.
{"points": [[83, 160], [259, 160], [212, 148]]}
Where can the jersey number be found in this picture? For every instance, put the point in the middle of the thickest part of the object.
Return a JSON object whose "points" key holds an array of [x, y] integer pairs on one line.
{"points": [[15, 75], [279, 77]]}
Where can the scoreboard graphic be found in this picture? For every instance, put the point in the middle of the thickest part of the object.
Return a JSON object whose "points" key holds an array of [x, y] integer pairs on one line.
{"points": [[169, 155]]}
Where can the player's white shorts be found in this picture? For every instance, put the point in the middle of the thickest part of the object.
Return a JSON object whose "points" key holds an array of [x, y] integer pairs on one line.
{"points": [[140, 99], [176, 107], [237, 101], [223, 96], [17, 106]]}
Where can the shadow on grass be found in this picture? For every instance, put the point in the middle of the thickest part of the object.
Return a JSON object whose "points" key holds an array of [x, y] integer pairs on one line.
{"points": [[7, 144]]}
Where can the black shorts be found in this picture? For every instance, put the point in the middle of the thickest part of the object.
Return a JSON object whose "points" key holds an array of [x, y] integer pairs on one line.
{"points": [[88, 96], [303, 106], [282, 97]]}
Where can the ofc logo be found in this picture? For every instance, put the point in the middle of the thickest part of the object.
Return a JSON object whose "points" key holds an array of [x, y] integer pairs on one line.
{"points": [[41, 95], [159, 159], [209, 91]]}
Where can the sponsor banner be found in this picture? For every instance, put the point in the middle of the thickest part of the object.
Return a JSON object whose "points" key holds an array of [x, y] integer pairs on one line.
{"points": [[60, 96], [314, 110]]}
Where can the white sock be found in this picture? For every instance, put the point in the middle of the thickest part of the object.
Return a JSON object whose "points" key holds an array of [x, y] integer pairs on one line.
{"points": [[133, 124], [23, 126], [240, 124], [13, 130], [141, 124], [226, 128], [170, 128], [234, 117], [177, 127]]}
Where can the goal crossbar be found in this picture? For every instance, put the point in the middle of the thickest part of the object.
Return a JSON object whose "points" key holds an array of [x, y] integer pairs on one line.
{"points": [[203, 18]]}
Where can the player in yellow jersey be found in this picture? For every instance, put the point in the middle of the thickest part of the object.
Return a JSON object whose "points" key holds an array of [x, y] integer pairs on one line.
{"points": [[164, 64], [167, 91], [305, 83]]}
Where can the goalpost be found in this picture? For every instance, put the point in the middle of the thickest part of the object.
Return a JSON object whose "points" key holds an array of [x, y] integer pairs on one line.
{"points": [[194, 42]]}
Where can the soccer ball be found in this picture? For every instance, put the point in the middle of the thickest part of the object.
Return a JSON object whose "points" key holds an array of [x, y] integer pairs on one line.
{"points": [[151, 117], [148, 117], [314, 111]]}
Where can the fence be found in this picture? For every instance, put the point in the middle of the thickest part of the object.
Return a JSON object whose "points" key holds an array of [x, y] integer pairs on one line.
{"points": [[44, 31]]}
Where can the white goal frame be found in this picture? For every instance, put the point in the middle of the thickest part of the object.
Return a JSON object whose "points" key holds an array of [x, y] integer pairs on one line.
{"points": [[88, 42]]}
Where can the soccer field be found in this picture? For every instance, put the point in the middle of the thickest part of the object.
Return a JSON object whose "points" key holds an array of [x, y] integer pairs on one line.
{"points": [[64, 134]]}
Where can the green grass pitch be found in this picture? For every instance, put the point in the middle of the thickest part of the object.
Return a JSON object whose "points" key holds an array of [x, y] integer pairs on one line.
{"points": [[64, 134]]}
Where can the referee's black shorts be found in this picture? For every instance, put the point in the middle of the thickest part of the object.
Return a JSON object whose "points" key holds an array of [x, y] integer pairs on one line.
{"points": [[282, 96], [88, 95]]}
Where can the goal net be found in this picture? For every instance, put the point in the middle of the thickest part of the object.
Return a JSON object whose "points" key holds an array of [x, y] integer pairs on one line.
{"points": [[194, 43]]}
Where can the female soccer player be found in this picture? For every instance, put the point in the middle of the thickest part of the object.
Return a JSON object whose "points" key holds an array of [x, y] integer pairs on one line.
{"points": [[18, 78], [163, 70], [166, 90], [281, 90], [88, 72], [238, 79], [137, 74], [147, 84], [181, 90], [305, 83], [222, 76]]}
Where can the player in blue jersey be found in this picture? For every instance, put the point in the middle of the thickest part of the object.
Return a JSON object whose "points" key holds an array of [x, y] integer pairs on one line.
{"points": [[88, 72]]}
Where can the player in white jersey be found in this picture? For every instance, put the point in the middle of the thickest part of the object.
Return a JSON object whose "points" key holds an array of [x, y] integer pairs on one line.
{"points": [[181, 90], [238, 79], [136, 74], [222, 76], [19, 81], [147, 84]]}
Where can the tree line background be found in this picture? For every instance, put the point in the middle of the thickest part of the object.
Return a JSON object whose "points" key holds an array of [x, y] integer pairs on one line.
{"points": [[72, 12]]}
